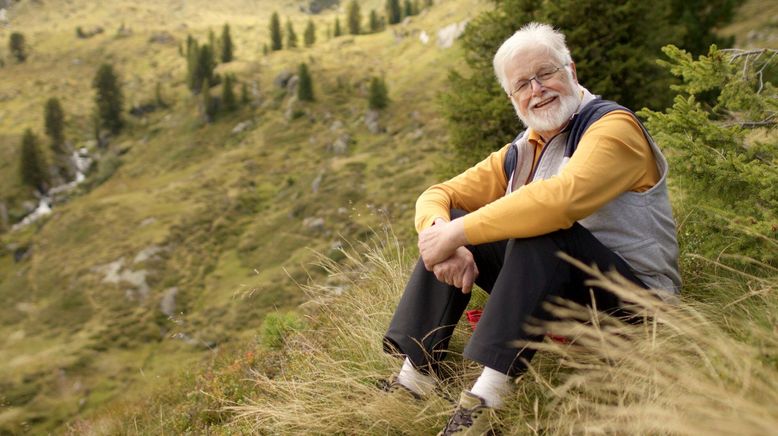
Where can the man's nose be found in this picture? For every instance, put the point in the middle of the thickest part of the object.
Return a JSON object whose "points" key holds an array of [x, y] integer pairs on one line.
{"points": [[537, 87]]}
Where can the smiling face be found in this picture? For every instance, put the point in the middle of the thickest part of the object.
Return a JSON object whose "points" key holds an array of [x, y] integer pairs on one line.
{"points": [[550, 98]]}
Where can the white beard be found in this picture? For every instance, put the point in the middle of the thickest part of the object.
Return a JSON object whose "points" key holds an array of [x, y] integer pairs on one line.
{"points": [[551, 118]]}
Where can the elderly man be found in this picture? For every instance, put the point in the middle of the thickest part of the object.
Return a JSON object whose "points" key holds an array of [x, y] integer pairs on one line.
{"points": [[585, 178]]}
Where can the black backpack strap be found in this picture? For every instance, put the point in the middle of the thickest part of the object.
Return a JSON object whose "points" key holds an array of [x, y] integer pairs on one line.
{"points": [[590, 113], [511, 157]]}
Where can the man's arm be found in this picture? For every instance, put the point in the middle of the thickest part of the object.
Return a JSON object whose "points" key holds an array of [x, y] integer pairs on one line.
{"points": [[479, 185], [613, 157]]}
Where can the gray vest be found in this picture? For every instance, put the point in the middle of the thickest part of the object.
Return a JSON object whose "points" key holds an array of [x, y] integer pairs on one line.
{"points": [[638, 226]]}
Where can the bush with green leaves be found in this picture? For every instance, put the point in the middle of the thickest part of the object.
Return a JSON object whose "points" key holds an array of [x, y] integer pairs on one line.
{"points": [[277, 326], [723, 154]]}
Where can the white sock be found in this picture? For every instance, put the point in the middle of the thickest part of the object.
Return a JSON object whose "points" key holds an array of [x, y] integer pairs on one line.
{"points": [[492, 386], [414, 380]]}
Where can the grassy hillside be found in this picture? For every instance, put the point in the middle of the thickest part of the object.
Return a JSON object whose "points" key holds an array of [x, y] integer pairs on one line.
{"points": [[164, 295], [218, 227]]}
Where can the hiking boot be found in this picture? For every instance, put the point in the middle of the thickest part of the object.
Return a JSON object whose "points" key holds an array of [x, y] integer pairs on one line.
{"points": [[472, 417], [396, 389]]}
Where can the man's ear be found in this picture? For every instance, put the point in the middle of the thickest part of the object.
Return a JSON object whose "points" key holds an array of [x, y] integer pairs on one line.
{"points": [[572, 69]]}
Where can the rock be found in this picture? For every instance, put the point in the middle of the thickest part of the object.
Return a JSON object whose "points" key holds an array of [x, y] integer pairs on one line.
{"points": [[162, 38], [340, 146], [282, 79], [168, 303], [140, 110], [147, 253], [291, 84], [3, 17], [336, 125], [424, 38], [21, 253], [316, 6], [317, 182], [147, 221], [371, 121], [450, 33], [241, 126], [314, 224]]}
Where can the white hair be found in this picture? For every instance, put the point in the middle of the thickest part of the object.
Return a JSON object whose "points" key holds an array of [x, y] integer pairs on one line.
{"points": [[531, 35]]}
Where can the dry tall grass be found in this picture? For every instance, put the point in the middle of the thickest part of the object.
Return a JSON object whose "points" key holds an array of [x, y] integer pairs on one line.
{"points": [[692, 368]]}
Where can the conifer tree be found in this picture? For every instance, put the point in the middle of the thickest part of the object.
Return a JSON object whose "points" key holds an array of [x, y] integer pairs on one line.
{"points": [[275, 32], [374, 23], [212, 40], [54, 122], [206, 64], [309, 37], [291, 37], [378, 96], [226, 46], [244, 94], [337, 32], [407, 8], [228, 94], [209, 106], [304, 84], [108, 98], [354, 18], [393, 11], [17, 46], [33, 164]]}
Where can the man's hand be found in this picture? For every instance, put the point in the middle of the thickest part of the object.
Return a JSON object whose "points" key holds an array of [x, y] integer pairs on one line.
{"points": [[458, 270], [438, 243]]}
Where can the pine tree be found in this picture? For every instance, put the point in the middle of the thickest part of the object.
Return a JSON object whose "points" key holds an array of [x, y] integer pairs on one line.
{"points": [[699, 20], [54, 123], [378, 96], [244, 94], [228, 95], [108, 98], [206, 64], [354, 18], [393, 11], [304, 85], [375, 26], [291, 37], [309, 37], [212, 40], [17, 46], [728, 179], [407, 8], [33, 163], [336, 33], [226, 47], [209, 106], [275, 32]]}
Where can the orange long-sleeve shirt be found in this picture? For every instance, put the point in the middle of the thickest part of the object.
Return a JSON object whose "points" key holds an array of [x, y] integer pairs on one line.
{"points": [[612, 157]]}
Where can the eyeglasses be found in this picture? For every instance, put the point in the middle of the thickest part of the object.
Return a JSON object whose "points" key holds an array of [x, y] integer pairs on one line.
{"points": [[541, 76]]}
